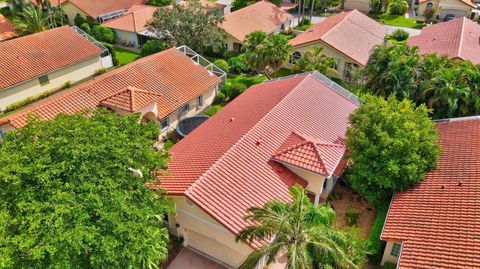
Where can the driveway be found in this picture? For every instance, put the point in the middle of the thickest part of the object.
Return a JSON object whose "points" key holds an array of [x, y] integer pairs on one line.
{"points": [[188, 258]]}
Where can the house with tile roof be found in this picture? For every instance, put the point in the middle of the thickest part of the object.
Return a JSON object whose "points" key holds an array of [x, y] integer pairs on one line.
{"points": [[261, 16], [164, 87], [7, 29], [457, 39], [276, 134], [45, 61], [348, 37], [441, 8], [436, 224]]}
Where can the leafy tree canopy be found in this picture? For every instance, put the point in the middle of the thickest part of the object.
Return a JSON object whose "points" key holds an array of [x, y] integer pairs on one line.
{"points": [[68, 199], [392, 144], [188, 24], [151, 46], [305, 233], [315, 60]]}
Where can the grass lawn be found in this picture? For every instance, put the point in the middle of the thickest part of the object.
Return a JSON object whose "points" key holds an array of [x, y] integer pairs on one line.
{"points": [[125, 56], [250, 80], [397, 20], [213, 109]]}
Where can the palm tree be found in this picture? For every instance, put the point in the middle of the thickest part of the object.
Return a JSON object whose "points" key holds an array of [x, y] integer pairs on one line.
{"points": [[266, 53], [315, 60], [32, 20], [302, 232]]}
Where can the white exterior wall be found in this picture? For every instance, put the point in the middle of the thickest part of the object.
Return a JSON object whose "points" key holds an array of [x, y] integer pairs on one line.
{"points": [[122, 37], [386, 254], [58, 78]]}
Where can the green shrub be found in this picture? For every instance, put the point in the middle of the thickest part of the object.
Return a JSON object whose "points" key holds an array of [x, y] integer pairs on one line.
{"points": [[235, 89], [213, 110], [352, 215], [151, 46], [428, 13], [303, 27], [79, 20], [222, 64], [111, 49], [159, 3], [398, 7], [35, 98], [420, 21], [220, 98], [104, 34], [168, 144], [375, 243], [230, 54], [238, 65], [400, 35], [305, 21], [85, 27], [100, 71], [389, 265]]}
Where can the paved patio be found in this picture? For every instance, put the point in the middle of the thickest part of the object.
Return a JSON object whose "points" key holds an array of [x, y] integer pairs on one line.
{"points": [[188, 258]]}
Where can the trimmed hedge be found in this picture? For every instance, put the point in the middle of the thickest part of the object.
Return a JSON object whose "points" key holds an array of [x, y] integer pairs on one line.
{"points": [[35, 98], [376, 244]]}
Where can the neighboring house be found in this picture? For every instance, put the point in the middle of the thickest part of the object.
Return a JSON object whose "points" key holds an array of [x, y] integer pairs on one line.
{"points": [[34, 64], [278, 133], [261, 16], [361, 5], [100, 10], [7, 29], [441, 8], [348, 37], [164, 87], [131, 28], [457, 39], [436, 224]]}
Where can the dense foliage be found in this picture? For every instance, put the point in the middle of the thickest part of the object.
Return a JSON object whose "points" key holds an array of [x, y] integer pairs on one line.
{"points": [[315, 60], [151, 46], [234, 89], [238, 64], [305, 233], [68, 199], [376, 245], [159, 3], [398, 7], [400, 35], [266, 53], [188, 24], [392, 144], [32, 20], [448, 86], [222, 64], [102, 33]]}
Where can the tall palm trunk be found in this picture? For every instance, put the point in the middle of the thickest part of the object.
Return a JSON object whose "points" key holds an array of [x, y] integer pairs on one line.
{"points": [[311, 9]]}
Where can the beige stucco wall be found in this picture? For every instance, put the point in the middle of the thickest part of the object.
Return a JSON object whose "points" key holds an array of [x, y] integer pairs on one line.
{"points": [[386, 254], [453, 6], [315, 181], [203, 233], [71, 11], [58, 78], [122, 37], [328, 51], [361, 5]]}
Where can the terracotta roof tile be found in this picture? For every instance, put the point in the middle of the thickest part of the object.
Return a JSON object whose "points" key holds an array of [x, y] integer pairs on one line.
{"points": [[7, 29], [225, 165], [261, 16], [438, 220], [352, 33], [130, 99], [312, 154], [170, 73], [34, 55], [135, 20], [96, 8], [458, 38]]}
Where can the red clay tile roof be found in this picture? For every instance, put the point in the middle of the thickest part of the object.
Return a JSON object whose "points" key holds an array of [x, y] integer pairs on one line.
{"points": [[438, 220], [135, 20], [225, 165], [96, 8], [131, 99], [7, 29], [312, 154], [352, 33], [34, 55], [170, 73], [467, 2], [261, 16], [458, 38]]}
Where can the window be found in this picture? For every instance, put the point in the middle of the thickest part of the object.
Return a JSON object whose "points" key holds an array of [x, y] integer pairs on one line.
{"points": [[282, 27], [429, 5], [396, 250], [225, 46], [43, 80], [237, 47], [295, 56], [185, 109], [2, 134], [164, 124], [200, 101]]}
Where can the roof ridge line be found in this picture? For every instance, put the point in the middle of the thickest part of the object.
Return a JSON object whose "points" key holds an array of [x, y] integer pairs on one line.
{"points": [[346, 16], [366, 29], [319, 156], [291, 148], [234, 146], [461, 38]]}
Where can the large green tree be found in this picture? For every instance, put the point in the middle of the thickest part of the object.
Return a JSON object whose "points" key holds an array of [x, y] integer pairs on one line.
{"points": [[32, 20], [315, 60], [69, 198], [301, 231], [392, 144], [188, 24], [266, 53]]}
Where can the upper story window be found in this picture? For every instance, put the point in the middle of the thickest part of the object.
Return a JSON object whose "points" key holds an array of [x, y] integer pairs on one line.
{"points": [[43, 80], [429, 5], [200, 101], [185, 109], [295, 56], [396, 250], [164, 124]]}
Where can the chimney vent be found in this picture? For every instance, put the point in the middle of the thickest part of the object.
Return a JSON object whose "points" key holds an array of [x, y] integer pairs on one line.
{"points": [[460, 183], [259, 141]]}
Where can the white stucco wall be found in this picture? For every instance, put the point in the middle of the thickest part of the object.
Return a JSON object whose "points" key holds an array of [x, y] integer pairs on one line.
{"points": [[122, 37], [386, 254], [58, 78]]}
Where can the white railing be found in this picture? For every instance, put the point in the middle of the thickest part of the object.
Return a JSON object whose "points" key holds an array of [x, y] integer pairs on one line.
{"points": [[204, 62]]}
